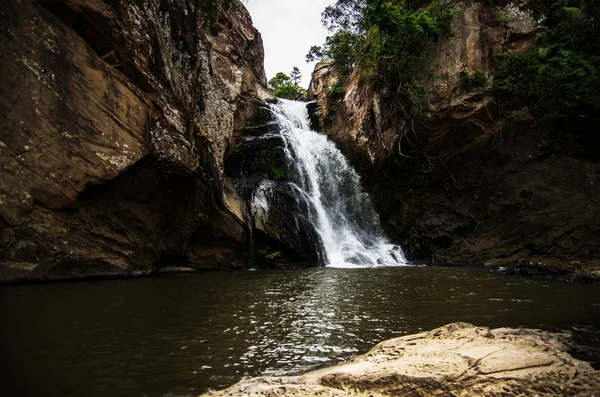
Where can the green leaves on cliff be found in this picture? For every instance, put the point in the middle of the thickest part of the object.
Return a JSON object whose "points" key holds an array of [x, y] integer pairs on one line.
{"points": [[343, 46], [399, 40], [559, 78], [471, 81], [336, 90], [388, 39], [208, 10]]}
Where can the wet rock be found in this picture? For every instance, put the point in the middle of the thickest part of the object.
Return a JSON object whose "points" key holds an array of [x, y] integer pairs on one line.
{"points": [[258, 168], [281, 213], [261, 123], [455, 360], [255, 159]]}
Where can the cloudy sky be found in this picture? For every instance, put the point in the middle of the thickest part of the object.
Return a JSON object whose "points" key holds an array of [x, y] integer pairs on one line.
{"points": [[289, 28]]}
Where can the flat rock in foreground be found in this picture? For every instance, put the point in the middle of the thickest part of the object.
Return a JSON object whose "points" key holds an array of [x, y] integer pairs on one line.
{"points": [[455, 360]]}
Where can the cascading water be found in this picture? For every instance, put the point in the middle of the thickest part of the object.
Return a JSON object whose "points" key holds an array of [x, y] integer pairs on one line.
{"points": [[337, 206]]}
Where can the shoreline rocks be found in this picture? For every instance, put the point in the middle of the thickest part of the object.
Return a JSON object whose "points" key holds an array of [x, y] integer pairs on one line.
{"points": [[458, 359]]}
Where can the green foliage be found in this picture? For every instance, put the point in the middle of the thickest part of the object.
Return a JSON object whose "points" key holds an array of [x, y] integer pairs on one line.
{"points": [[559, 78], [397, 59], [316, 53], [336, 91], [343, 46], [288, 90], [285, 86], [272, 255], [389, 39], [267, 255], [295, 76], [479, 79], [348, 15], [476, 80], [277, 173], [208, 10], [279, 79]]}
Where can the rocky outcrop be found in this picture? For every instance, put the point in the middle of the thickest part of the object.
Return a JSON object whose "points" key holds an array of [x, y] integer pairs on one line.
{"points": [[464, 181], [321, 104], [455, 360], [115, 119]]}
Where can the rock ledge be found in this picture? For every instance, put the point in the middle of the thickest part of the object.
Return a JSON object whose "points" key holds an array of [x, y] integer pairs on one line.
{"points": [[455, 360]]}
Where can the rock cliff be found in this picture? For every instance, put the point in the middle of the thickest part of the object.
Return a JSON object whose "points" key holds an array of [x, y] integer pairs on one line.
{"points": [[115, 117], [455, 360], [463, 181]]}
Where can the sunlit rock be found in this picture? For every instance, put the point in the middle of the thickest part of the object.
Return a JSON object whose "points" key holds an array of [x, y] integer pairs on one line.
{"points": [[455, 360]]}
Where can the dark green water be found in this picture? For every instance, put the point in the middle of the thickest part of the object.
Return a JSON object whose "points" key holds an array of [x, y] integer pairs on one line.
{"points": [[180, 335]]}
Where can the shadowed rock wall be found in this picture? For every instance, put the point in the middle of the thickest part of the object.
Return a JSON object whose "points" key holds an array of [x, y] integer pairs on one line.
{"points": [[114, 119]]}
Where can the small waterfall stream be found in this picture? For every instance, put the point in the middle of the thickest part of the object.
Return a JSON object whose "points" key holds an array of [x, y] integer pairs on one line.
{"points": [[339, 208]]}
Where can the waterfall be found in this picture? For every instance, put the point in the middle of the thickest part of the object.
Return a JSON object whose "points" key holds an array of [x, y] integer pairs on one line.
{"points": [[340, 210]]}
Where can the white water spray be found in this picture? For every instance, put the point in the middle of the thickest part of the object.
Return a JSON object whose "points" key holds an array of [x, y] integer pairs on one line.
{"points": [[344, 217]]}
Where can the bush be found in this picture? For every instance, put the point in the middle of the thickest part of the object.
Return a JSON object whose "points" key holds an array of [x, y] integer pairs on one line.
{"points": [[336, 91], [559, 78], [476, 80]]}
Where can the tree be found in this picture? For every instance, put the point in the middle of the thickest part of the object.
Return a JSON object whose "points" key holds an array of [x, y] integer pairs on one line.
{"points": [[279, 79], [388, 38], [344, 47], [286, 87], [346, 15], [288, 91], [558, 78], [316, 53], [296, 76]]}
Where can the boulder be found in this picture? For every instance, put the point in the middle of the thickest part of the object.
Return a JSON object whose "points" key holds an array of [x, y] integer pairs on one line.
{"points": [[455, 360]]}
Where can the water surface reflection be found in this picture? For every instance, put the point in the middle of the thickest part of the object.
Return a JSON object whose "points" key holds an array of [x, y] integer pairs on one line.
{"points": [[179, 335]]}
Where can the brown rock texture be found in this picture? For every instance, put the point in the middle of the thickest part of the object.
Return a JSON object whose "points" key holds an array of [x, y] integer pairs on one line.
{"points": [[455, 360], [464, 182], [320, 103], [114, 119]]}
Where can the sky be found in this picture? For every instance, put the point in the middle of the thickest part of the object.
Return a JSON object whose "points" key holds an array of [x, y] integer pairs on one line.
{"points": [[288, 28]]}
